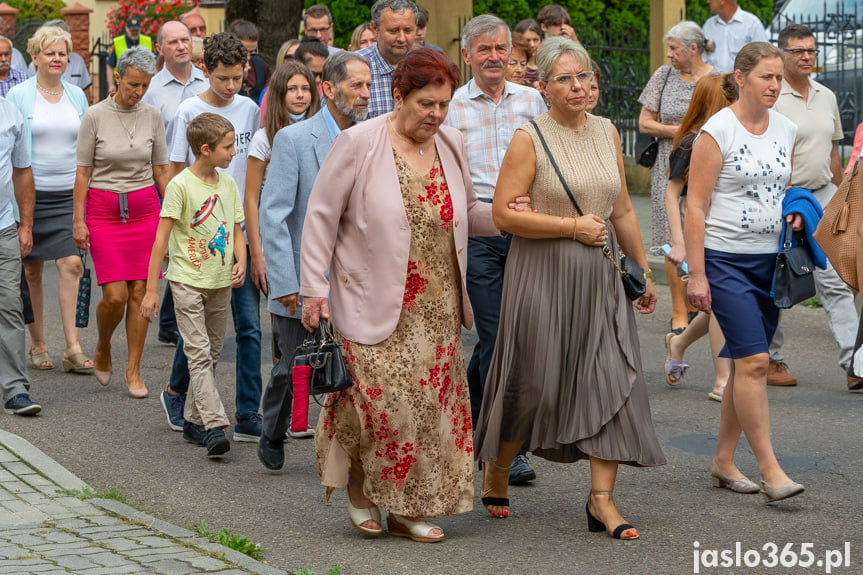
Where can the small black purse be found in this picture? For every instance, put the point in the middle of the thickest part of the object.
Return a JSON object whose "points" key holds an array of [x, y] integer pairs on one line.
{"points": [[793, 279], [631, 274], [647, 147], [646, 150], [323, 354]]}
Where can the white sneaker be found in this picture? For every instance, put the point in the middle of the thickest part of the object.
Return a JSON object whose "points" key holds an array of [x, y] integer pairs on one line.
{"points": [[301, 434]]}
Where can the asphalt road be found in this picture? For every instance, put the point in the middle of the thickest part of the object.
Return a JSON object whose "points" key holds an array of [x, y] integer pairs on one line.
{"points": [[111, 440]]}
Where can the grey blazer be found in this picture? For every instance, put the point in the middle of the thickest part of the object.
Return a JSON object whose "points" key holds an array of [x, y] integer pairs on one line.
{"points": [[297, 155]]}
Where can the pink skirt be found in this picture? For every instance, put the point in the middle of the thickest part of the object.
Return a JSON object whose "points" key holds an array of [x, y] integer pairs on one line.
{"points": [[122, 232]]}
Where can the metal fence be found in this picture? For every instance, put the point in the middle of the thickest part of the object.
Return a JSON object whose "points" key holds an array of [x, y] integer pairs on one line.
{"points": [[625, 64]]}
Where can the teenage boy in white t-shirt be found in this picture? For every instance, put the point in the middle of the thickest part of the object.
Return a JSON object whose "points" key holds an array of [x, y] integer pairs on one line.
{"points": [[225, 58], [199, 227]]}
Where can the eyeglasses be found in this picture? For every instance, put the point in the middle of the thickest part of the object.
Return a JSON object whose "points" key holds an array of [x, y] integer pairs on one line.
{"points": [[797, 52], [567, 79], [315, 31]]}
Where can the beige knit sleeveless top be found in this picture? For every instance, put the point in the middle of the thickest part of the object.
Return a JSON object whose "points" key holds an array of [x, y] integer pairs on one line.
{"points": [[587, 158]]}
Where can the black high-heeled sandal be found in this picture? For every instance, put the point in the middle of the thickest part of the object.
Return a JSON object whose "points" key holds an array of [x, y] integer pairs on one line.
{"points": [[490, 466], [594, 525]]}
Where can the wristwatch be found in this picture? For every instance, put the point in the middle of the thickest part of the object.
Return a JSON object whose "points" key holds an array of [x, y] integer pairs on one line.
{"points": [[648, 274]]}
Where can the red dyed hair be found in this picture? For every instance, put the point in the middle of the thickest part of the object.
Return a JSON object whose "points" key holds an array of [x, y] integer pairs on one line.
{"points": [[423, 67]]}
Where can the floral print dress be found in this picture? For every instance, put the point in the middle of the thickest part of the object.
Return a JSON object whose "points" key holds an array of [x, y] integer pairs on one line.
{"points": [[407, 418]]}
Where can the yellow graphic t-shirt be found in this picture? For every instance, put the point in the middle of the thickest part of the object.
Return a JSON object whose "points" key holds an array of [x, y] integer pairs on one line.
{"points": [[201, 248]]}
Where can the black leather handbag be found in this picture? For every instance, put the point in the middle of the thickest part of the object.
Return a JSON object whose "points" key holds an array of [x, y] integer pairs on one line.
{"points": [[647, 147], [323, 354], [793, 279], [631, 274]]}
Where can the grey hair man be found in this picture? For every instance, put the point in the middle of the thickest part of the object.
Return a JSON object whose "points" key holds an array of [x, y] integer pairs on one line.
{"points": [[816, 165], [394, 23], [297, 154], [488, 110], [731, 28], [9, 76]]}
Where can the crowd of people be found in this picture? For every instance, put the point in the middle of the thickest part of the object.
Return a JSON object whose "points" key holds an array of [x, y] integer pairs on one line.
{"points": [[372, 188]]}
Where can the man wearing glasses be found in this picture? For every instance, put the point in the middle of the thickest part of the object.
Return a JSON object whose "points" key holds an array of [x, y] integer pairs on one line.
{"points": [[318, 23], [816, 166], [731, 28]]}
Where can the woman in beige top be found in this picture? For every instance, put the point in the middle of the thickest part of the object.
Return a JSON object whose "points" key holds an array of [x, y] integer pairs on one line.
{"points": [[121, 150], [565, 380]]}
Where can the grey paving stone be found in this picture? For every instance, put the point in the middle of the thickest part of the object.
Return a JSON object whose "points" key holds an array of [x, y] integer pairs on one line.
{"points": [[206, 563], [18, 566], [6, 495], [112, 528], [171, 567], [119, 543], [131, 533], [73, 524], [6, 456], [139, 517], [106, 519], [37, 479], [34, 498], [58, 536], [15, 505], [66, 549], [9, 551], [154, 541], [163, 553], [75, 562], [17, 486], [6, 475], [110, 571], [18, 467], [108, 558], [30, 518], [25, 539]]}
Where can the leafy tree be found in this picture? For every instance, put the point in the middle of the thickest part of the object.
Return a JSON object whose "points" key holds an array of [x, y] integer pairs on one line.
{"points": [[37, 9], [278, 21]]}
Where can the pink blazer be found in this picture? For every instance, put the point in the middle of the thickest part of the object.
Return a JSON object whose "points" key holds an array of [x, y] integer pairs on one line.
{"points": [[356, 228]]}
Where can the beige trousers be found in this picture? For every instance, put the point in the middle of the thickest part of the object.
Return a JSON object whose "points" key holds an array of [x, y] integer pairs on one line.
{"points": [[202, 316]]}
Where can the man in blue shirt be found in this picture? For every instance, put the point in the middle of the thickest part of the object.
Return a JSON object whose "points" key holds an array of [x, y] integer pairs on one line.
{"points": [[16, 240]]}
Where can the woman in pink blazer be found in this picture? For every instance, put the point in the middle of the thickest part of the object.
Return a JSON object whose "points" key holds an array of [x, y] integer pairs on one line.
{"points": [[389, 217]]}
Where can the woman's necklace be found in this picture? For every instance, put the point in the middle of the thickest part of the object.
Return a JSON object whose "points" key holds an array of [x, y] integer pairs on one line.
{"points": [[129, 133], [49, 92], [405, 140]]}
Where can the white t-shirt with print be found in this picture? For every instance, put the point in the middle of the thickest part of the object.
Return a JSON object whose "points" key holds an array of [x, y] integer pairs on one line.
{"points": [[745, 214]]}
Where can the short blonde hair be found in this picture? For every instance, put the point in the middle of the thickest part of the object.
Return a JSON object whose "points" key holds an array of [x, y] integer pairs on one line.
{"points": [[45, 36]]}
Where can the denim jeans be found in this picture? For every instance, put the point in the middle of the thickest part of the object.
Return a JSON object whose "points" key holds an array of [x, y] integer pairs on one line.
{"points": [[245, 310], [486, 259]]}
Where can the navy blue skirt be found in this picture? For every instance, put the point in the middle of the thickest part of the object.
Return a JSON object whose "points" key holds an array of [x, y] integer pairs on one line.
{"points": [[740, 299]]}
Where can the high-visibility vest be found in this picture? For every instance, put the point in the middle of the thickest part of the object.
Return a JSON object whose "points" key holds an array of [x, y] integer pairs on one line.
{"points": [[120, 45]]}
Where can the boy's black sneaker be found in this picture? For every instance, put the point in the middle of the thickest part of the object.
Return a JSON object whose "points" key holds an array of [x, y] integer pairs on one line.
{"points": [[216, 442], [194, 433]]}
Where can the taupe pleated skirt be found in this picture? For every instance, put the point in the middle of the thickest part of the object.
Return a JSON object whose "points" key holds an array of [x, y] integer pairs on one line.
{"points": [[566, 374]]}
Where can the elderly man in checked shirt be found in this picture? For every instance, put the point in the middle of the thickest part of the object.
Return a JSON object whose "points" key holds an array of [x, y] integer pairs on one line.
{"points": [[488, 110]]}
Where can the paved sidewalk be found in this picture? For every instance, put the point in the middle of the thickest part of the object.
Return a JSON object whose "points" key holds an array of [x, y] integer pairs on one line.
{"points": [[45, 531]]}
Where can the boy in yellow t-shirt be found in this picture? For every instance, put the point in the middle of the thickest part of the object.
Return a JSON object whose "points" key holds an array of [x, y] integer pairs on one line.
{"points": [[200, 219]]}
